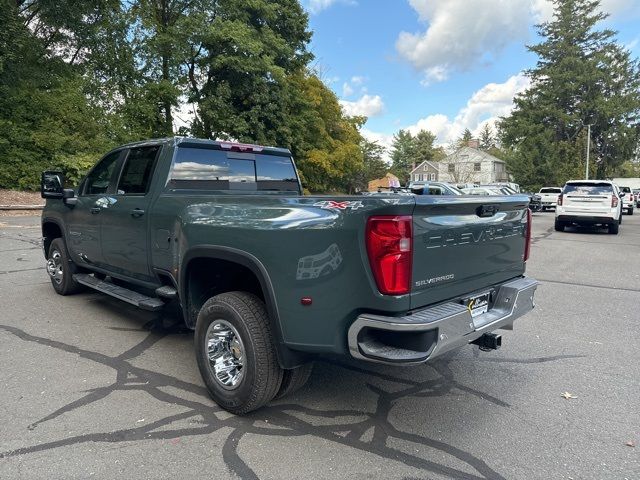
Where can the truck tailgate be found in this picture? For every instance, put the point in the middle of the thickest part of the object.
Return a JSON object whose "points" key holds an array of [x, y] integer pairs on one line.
{"points": [[464, 245]]}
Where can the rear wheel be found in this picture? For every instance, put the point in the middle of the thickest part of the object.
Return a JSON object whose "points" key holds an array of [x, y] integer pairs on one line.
{"points": [[559, 226], [613, 228], [61, 269], [630, 211], [235, 351]]}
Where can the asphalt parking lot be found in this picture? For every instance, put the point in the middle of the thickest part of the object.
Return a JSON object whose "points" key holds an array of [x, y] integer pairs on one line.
{"points": [[93, 388]]}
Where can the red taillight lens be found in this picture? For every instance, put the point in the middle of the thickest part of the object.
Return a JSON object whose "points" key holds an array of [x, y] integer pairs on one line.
{"points": [[560, 200], [527, 241], [614, 201], [389, 246]]}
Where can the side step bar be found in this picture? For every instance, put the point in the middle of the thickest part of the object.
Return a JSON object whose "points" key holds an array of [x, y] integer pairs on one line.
{"points": [[134, 298]]}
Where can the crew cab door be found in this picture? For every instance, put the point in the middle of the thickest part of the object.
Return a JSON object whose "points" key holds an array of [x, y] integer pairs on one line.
{"points": [[124, 231], [84, 219]]}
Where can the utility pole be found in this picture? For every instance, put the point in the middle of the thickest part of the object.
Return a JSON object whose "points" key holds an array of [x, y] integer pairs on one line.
{"points": [[586, 174]]}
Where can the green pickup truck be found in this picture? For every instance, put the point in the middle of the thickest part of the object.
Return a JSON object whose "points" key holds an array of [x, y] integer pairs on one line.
{"points": [[269, 278]]}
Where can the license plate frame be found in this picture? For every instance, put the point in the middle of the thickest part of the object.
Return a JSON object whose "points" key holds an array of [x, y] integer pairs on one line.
{"points": [[478, 304]]}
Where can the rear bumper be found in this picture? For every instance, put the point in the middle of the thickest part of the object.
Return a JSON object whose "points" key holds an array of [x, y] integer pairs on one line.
{"points": [[585, 219], [432, 331]]}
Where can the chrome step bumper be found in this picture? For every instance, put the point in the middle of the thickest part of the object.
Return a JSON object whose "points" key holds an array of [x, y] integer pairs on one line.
{"points": [[432, 331]]}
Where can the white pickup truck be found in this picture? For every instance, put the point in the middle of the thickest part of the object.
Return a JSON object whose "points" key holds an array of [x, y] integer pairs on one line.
{"points": [[549, 197]]}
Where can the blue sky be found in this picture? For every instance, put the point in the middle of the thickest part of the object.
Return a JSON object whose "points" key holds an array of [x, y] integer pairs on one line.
{"points": [[442, 65]]}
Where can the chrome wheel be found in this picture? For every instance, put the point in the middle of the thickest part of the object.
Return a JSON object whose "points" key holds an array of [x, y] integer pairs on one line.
{"points": [[54, 267], [226, 354]]}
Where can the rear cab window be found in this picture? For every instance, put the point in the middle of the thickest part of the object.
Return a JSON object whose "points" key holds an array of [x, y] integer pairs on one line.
{"points": [[585, 188], [209, 169], [625, 189], [550, 190]]}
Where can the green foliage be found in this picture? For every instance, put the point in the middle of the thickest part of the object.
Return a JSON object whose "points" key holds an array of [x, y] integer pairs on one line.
{"points": [[79, 77], [487, 140], [582, 77], [408, 151], [464, 139]]}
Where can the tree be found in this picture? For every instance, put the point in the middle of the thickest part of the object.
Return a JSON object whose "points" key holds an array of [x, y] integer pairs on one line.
{"points": [[582, 77], [487, 141], [373, 166], [403, 155], [464, 139]]}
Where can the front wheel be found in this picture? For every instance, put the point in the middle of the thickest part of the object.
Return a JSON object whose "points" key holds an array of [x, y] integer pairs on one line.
{"points": [[235, 351], [61, 269]]}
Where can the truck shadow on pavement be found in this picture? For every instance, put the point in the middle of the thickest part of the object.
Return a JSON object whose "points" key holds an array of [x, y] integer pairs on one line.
{"points": [[367, 431]]}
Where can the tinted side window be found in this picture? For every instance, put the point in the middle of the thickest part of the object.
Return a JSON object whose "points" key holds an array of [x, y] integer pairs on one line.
{"points": [[99, 179], [138, 167]]}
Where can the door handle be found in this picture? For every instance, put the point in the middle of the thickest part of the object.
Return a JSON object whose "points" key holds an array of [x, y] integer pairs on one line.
{"points": [[137, 212], [95, 210]]}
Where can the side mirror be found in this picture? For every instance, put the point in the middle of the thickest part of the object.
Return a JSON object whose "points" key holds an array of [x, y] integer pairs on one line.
{"points": [[52, 185], [69, 197]]}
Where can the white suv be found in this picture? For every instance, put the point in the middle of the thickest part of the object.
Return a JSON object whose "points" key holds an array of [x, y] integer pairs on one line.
{"points": [[549, 197], [628, 199], [589, 202]]}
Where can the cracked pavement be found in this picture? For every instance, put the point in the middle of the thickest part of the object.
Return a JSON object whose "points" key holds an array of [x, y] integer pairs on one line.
{"points": [[93, 388]]}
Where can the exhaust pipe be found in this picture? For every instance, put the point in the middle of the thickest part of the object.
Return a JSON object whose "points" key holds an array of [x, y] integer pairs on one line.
{"points": [[488, 341]]}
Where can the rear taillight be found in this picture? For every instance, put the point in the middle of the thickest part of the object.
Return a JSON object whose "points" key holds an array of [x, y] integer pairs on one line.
{"points": [[560, 199], [389, 246], [614, 201], [631, 197], [527, 241]]}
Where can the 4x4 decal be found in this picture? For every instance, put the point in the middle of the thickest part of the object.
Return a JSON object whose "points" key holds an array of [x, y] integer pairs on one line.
{"points": [[332, 204]]}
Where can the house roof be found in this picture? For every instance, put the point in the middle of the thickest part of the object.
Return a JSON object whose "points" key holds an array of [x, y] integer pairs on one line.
{"points": [[428, 163], [473, 152]]}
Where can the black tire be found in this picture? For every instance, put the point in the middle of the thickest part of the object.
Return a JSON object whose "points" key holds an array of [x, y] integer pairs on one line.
{"points": [[245, 316], [630, 211], [294, 379], [559, 226], [61, 269], [613, 228], [620, 219]]}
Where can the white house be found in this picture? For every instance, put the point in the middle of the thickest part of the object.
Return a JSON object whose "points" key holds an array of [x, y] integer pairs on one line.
{"points": [[471, 165]]}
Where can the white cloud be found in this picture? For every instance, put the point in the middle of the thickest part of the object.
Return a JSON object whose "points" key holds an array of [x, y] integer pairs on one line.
{"points": [[367, 105], [358, 80], [316, 6], [347, 90], [462, 34], [485, 106]]}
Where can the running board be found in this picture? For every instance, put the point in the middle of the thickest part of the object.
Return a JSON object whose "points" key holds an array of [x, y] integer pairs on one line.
{"points": [[134, 298]]}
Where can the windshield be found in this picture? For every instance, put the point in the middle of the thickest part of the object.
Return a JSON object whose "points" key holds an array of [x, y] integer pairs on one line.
{"points": [[588, 188]]}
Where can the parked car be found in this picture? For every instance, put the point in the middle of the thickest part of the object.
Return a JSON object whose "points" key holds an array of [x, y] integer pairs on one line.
{"points": [[636, 195], [589, 202], [269, 278], [549, 197], [433, 188], [628, 199], [535, 202]]}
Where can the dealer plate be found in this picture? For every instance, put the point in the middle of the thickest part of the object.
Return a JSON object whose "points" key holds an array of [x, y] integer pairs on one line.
{"points": [[479, 304]]}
